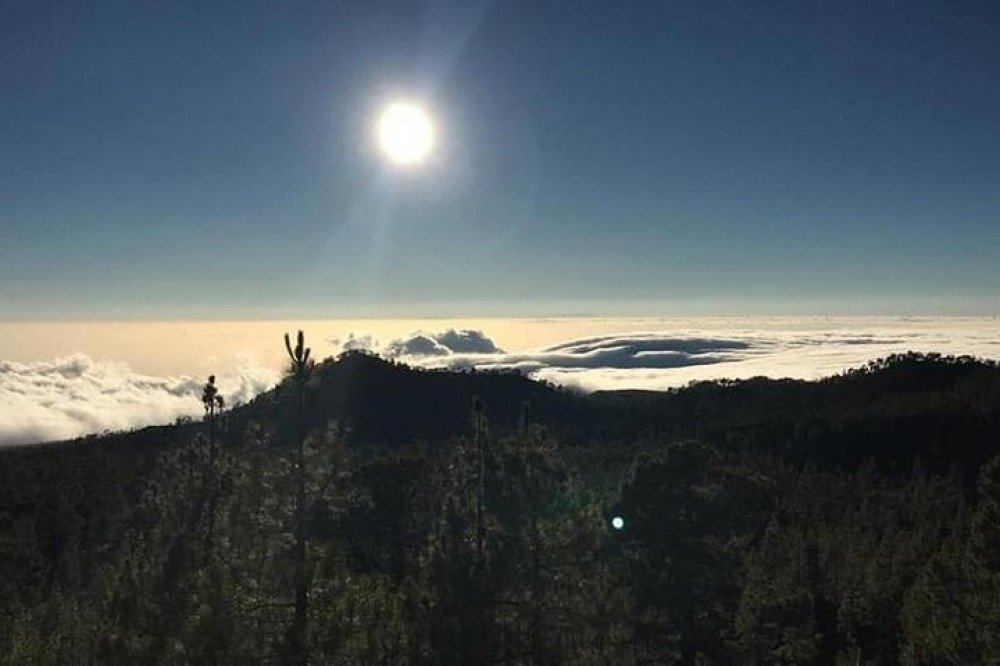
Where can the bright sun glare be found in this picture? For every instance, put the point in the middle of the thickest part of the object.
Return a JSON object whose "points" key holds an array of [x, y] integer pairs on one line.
{"points": [[405, 133]]}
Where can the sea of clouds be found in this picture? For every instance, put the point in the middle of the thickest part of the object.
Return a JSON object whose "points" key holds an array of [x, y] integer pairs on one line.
{"points": [[76, 395], [72, 396], [661, 360]]}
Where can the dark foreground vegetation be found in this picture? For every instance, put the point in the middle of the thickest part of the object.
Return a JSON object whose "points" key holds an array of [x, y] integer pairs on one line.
{"points": [[365, 512]]}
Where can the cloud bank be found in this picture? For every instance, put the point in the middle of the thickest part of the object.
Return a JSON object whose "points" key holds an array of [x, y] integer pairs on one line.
{"points": [[421, 344], [445, 343], [75, 395], [661, 360]]}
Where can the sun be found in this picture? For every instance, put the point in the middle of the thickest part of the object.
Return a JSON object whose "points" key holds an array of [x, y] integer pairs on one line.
{"points": [[405, 133]]}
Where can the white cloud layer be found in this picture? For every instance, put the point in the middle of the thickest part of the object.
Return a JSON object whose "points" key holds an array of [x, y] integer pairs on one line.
{"points": [[809, 349], [446, 343], [75, 395]]}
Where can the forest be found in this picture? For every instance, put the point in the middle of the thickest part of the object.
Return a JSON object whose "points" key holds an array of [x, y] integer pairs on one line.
{"points": [[366, 512]]}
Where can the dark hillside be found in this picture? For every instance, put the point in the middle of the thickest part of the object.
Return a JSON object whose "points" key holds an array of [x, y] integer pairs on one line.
{"points": [[391, 403], [763, 521], [374, 401], [943, 410]]}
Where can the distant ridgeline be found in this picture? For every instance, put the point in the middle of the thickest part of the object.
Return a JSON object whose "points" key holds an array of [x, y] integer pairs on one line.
{"points": [[369, 512]]}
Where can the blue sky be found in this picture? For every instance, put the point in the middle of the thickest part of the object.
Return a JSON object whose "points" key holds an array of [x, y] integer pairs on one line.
{"points": [[216, 159]]}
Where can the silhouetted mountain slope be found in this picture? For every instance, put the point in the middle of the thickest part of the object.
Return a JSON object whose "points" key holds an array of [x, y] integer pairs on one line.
{"points": [[943, 410], [389, 402], [376, 401], [766, 521]]}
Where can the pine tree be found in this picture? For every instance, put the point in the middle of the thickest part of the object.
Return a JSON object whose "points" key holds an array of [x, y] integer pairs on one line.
{"points": [[300, 369]]}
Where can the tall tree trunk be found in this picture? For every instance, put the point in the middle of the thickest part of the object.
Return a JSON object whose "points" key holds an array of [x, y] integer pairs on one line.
{"points": [[297, 632]]}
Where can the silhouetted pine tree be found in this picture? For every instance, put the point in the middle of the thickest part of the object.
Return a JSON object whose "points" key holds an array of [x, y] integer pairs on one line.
{"points": [[213, 403], [300, 369]]}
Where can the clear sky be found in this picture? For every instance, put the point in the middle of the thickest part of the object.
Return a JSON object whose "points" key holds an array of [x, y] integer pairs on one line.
{"points": [[216, 159]]}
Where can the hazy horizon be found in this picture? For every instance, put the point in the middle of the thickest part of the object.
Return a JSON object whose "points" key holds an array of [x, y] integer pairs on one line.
{"points": [[67, 379]]}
